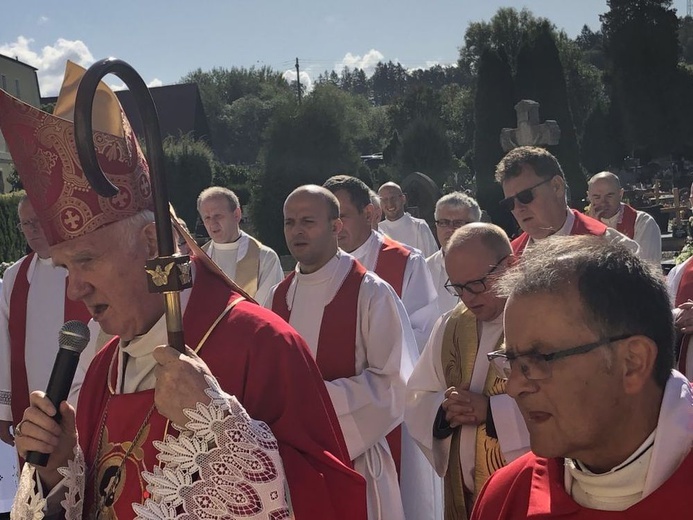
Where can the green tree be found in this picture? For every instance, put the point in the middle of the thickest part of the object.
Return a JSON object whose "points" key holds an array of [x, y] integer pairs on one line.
{"points": [[220, 88], [602, 148], [641, 43], [493, 111], [426, 149], [189, 167], [305, 144], [540, 77], [505, 31], [686, 39], [388, 82]]}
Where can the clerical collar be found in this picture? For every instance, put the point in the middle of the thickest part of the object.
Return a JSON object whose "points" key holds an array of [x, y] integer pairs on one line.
{"points": [[228, 246], [325, 273], [617, 489], [613, 221], [565, 229], [361, 251], [45, 261]]}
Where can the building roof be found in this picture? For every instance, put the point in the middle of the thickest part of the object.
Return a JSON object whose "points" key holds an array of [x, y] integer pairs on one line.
{"points": [[179, 108], [16, 60]]}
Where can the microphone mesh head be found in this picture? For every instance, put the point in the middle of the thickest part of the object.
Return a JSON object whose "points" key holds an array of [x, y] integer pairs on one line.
{"points": [[74, 335]]}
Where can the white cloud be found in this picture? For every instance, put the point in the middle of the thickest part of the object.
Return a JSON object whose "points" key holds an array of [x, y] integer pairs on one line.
{"points": [[50, 61], [156, 82], [290, 75], [42, 20], [367, 62]]}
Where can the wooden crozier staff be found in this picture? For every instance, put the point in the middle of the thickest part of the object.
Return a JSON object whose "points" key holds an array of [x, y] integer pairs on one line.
{"points": [[169, 273]]}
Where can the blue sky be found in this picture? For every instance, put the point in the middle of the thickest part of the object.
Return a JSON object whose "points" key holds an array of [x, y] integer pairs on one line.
{"points": [[164, 40]]}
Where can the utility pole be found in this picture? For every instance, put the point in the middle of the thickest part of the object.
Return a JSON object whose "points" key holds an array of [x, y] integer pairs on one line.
{"points": [[689, 11], [298, 82]]}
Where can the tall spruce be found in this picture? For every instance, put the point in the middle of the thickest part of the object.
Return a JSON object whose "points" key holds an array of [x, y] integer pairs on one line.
{"points": [[641, 43], [493, 111], [540, 77]]}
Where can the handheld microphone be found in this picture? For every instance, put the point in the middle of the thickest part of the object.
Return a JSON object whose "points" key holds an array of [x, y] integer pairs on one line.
{"points": [[72, 340]]}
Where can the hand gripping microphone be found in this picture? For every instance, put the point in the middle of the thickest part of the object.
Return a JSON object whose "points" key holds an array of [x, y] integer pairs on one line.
{"points": [[72, 340]]}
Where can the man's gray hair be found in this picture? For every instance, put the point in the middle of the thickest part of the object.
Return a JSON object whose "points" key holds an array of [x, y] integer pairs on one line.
{"points": [[457, 199], [219, 191], [375, 198], [128, 229], [619, 292]]}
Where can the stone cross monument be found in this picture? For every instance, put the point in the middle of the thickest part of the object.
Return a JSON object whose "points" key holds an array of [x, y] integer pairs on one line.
{"points": [[529, 131]]}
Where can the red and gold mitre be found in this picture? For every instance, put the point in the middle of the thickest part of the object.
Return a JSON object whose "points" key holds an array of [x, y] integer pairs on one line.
{"points": [[43, 149]]}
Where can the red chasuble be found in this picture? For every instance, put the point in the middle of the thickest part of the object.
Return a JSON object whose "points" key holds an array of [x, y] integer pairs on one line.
{"points": [[391, 263], [266, 365], [627, 223], [583, 225], [19, 299], [532, 487]]}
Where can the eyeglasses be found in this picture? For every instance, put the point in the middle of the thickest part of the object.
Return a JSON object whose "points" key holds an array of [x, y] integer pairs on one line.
{"points": [[26, 224], [524, 196], [446, 223], [473, 287], [535, 366]]}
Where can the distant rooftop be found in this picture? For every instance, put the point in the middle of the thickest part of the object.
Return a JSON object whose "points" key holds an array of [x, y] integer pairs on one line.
{"points": [[16, 60]]}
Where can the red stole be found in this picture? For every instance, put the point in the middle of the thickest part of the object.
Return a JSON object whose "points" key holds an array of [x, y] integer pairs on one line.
{"points": [[391, 263], [583, 225], [683, 294], [17, 329], [337, 338], [627, 223], [336, 356]]}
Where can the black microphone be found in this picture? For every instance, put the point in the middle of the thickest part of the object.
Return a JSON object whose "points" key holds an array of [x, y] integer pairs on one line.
{"points": [[72, 340]]}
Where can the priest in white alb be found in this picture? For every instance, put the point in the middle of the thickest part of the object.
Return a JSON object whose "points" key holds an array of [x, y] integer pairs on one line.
{"points": [[251, 264], [401, 226], [457, 408], [357, 330], [605, 194], [403, 268], [453, 211]]}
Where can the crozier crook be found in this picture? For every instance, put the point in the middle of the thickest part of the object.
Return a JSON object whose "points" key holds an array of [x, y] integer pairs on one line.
{"points": [[168, 273]]}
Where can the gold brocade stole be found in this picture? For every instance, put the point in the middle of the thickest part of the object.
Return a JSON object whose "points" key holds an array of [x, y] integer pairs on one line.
{"points": [[458, 355], [248, 268]]}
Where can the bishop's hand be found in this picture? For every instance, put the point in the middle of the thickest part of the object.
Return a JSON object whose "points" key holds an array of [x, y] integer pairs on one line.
{"points": [[180, 383], [464, 407], [38, 431]]}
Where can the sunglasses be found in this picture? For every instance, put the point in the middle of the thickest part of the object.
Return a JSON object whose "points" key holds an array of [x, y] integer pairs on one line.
{"points": [[524, 196]]}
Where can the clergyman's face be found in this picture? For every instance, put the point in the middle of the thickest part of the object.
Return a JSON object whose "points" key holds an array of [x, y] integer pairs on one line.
{"points": [[472, 262], [310, 233], [356, 226], [107, 273], [547, 212], [455, 217], [392, 202], [573, 412], [605, 198], [32, 230], [221, 222]]}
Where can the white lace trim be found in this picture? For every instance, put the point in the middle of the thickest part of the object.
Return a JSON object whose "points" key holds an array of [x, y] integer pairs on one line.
{"points": [[222, 465], [74, 478], [29, 503]]}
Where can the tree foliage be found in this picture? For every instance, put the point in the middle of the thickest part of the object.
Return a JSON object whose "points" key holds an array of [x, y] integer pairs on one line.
{"points": [[641, 43], [189, 167], [305, 145], [493, 110], [540, 77]]}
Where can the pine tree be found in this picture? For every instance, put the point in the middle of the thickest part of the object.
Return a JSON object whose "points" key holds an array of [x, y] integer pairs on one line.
{"points": [[540, 77], [493, 111]]}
